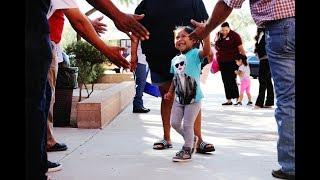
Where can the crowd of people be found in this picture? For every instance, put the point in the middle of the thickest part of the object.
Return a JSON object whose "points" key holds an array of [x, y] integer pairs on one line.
{"points": [[169, 38]]}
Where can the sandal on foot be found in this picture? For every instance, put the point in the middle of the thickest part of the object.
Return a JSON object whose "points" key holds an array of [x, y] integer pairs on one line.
{"points": [[205, 148], [163, 145], [195, 142], [183, 155]]}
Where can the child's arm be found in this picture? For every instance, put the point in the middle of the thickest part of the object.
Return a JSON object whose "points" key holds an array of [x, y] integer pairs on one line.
{"points": [[169, 94]]}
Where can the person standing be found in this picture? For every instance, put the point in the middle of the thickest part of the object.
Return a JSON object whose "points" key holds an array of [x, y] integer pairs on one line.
{"points": [[141, 77], [265, 82], [161, 19], [278, 17], [228, 44]]}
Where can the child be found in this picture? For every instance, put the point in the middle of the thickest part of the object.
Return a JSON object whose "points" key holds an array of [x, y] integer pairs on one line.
{"points": [[243, 72], [185, 89]]}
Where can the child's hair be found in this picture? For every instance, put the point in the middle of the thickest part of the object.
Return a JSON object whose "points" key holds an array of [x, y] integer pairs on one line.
{"points": [[243, 58], [189, 30]]}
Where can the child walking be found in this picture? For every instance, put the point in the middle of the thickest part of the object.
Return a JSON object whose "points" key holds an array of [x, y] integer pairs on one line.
{"points": [[244, 74], [185, 89]]}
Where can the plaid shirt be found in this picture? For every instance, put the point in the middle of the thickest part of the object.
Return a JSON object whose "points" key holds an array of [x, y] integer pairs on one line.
{"points": [[267, 10]]}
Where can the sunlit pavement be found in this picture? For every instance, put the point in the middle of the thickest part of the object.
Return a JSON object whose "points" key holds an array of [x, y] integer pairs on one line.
{"points": [[245, 142]]}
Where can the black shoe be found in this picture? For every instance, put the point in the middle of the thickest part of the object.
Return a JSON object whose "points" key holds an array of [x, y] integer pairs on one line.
{"points": [[249, 103], [238, 104], [57, 147], [282, 175], [140, 110], [226, 103], [52, 167]]}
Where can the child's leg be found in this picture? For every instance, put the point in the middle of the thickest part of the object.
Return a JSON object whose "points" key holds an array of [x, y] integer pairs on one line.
{"points": [[248, 91], [243, 86], [190, 113], [176, 117]]}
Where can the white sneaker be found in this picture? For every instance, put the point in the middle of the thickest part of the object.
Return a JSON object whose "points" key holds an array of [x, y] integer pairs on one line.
{"points": [[53, 167]]}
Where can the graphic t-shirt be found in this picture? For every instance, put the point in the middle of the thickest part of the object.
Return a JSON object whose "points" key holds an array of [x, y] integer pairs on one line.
{"points": [[186, 69]]}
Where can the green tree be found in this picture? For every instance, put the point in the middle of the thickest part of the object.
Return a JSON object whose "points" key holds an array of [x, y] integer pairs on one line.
{"points": [[89, 61]]}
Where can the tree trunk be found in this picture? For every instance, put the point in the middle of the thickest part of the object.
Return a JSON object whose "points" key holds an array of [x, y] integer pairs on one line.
{"points": [[80, 85]]}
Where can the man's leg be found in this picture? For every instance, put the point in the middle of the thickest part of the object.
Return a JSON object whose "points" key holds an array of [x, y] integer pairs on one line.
{"points": [[141, 75], [37, 61], [197, 131], [166, 106], [280, 39], [52, 77]]}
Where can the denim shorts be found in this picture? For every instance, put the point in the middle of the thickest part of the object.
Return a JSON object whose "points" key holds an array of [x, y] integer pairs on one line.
{"points": [[160, 68]]}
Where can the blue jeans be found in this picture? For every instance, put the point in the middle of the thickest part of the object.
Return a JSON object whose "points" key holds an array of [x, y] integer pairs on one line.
{"points": [[280, 46], [141, 77]]}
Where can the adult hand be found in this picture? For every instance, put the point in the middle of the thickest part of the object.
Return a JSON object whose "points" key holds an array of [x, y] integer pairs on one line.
{"points": [[128, 23], [114, 55], [98, 25], [200, 31]]}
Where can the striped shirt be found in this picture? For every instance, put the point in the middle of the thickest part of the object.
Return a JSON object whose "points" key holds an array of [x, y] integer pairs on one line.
{"points": [[267, 10]]}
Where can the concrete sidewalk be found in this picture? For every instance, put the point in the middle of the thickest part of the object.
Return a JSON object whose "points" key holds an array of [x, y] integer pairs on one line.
{"points": [[245, 142]]}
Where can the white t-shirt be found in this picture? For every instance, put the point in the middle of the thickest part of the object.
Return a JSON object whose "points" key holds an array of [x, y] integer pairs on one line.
{"points": [[60, 4], [141, 57], [245, 70]]}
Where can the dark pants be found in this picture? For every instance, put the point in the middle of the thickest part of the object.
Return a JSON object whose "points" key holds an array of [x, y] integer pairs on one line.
{"points": [[37, 62], [141, 76], [265, 84], [229, 79]]}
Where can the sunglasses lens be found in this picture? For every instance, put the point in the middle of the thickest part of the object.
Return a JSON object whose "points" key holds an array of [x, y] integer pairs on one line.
{"points": [[181, 63], [177, 65]]}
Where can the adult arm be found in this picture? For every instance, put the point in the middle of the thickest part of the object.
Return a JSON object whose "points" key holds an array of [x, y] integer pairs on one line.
{"points": [[127, 23], [219, 14], [83, 26]]}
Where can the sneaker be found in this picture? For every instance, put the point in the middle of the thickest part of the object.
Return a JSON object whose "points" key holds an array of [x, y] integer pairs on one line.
{"points": [[238, 104], [226, 103], [53, 167], [183, 155], [282, 175], [249, 103], [57, 147]]}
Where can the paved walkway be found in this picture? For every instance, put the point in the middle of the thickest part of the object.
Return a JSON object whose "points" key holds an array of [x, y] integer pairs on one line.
{"points": [[245, 142]]}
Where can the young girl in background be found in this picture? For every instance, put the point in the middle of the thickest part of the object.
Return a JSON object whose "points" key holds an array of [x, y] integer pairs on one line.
{"points": [[244, 74], [185, 89]]}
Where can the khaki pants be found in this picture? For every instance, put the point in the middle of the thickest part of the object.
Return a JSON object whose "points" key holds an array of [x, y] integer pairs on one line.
{"points": [[52, 77]]}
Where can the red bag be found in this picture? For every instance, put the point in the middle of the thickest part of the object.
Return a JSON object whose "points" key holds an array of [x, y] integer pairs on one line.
{"points": [[215, 66]]}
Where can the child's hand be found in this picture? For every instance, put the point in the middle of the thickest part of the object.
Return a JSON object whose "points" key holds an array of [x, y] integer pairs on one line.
{"points": [[168, 96], [236, 71]]}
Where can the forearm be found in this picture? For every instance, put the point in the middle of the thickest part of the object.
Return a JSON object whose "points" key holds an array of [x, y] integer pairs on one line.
{"points": [[106, 7], [219, 14], [206, 46], [84, 27], [134, 47], [171, 89], [241, 50]]}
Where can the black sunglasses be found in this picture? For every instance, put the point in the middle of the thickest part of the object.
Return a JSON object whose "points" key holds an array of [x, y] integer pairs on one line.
{"points": [[181, 64]]}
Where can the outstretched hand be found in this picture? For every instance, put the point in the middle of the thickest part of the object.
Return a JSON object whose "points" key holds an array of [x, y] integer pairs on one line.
{"points": [[114, 55], [128, 23], [98, 25], [200, 31]]}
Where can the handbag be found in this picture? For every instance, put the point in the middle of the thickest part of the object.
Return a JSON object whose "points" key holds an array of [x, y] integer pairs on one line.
{"points": [[215, 66]]}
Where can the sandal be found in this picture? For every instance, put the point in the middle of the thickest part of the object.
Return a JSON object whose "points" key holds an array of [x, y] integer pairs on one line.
{"points": [[183, 155], [164, 145], [205, 148]]}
